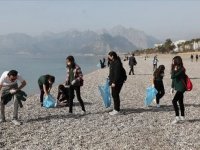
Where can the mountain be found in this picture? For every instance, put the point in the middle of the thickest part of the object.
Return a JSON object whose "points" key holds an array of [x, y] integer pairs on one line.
{"points": [[136, 37], [76, 42]]}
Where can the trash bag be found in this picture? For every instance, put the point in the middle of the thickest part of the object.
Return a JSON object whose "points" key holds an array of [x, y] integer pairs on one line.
{"points": [[150, 95], [49, 102], [105, 93]]}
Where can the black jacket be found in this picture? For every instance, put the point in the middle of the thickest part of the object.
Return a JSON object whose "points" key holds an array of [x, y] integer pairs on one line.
{"points": [[132, 61], [115, 74]]}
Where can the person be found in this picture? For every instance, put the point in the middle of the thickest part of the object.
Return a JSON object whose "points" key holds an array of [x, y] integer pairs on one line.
{"points": [[45, 83], [102, 63], [115, 80], [63, 95], [74, 80], [158, 83], [197, 57], [191, 57], [178, 78], [132, 62], [8, 83], [155, 63]]}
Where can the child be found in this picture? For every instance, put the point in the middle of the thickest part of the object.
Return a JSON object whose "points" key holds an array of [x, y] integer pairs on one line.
{"points": [[178, 77], [158, 83]]}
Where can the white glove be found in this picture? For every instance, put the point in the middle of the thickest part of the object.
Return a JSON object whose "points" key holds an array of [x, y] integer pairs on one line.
{"points": [[153, 85], [171, 91], [13, 91], [73, 82]]}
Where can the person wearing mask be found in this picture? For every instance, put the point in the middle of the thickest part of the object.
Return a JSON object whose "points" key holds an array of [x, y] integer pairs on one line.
{"points": [[8, 83], [74, 80], [45, 83], [178, 78], [116, 80]]}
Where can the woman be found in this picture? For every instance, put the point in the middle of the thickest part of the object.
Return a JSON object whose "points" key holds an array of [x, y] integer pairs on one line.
{"points": [[115, 80], [178, 79], [158, 83], [75, 80]]}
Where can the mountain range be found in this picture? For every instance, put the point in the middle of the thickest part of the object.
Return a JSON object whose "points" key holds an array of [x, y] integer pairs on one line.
{"points": [[118, 38]]}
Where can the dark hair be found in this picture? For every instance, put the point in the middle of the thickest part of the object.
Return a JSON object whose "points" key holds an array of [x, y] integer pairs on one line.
{"points": [[133, 54], [114, 54], [12, 73], [72, 60], [158, 71], [51, 78], [177, 62], [61, 87]]}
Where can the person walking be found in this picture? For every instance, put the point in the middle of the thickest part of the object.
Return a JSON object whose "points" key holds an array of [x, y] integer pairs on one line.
{"points": [[8, 84], [197, 57], [45, 83], [74, 80], [116, 80], [155, 63], [178, 79], [158, 83], [132, 63]]}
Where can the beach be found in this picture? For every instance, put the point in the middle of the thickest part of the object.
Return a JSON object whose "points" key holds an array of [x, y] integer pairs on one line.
{"points": [[136, 128]]}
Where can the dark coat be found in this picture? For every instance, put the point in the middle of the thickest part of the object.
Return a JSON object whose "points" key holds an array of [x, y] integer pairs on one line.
{"points": [[115, 74]]}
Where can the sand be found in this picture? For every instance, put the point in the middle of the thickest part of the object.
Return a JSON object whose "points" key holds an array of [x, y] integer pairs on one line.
{"points": [[136, 128]]}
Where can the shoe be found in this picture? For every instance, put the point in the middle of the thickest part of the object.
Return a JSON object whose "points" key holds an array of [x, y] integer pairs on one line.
{"points": [[182, 118], [154, 100], [83, 113], [41, 104], [15, 122], [2, 120], [158, 106], [177, 119], [114, 112]]}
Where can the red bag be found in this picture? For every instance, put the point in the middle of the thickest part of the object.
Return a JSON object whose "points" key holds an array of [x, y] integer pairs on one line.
{"points": [[188, 83]]}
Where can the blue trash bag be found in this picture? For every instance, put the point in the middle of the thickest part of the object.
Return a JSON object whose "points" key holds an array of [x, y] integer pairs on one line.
{"points": [[150, 95], [49, 102], [99, 65], [105, 93]]}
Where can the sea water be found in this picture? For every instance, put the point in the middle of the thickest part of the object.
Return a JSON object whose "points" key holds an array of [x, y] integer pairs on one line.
{"points": [[31, 67]]}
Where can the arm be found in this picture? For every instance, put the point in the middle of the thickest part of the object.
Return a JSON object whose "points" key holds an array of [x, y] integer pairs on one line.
{"points": [[23, 84], [117, 73], [0, 89], [45, 89]]}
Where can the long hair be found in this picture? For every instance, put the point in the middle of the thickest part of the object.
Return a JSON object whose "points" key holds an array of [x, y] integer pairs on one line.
{"points": [[115, 56], [176, 61], [159, 71], [72, 60]]}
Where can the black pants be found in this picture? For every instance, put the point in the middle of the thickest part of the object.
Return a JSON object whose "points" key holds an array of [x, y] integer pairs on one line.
{"points": [[161, 90], [115, 94], [131, 70], [71, 97], [41, 94], [178, 98]]}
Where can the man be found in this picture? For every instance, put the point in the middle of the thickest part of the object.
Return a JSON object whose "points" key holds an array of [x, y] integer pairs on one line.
{"points": [[132, 62], [8, 84]]}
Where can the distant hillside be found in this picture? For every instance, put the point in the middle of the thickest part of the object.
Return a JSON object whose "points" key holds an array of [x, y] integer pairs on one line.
{"points": [[86, 42]]}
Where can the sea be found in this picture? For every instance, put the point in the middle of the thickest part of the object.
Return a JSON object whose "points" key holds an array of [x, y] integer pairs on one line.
{"points": [[31, 67]]}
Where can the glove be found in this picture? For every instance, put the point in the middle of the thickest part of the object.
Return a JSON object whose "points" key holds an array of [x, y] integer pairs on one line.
{"points": [[13, 91], [153, 86], [171, 91], [73, 82]]}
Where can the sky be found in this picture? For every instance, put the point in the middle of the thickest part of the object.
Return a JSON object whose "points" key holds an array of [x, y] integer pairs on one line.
{"points": [[175, 19]]}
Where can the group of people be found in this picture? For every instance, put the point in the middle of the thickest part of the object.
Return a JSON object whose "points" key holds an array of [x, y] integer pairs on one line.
{"points": [[192, 57], [74, 81], [178, 77]]}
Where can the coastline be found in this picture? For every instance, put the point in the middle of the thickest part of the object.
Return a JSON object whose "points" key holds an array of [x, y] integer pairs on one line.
{"points": [[137, 127]]}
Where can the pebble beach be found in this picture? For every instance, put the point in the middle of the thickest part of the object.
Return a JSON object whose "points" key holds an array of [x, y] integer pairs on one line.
{"points": [[136, 128]]}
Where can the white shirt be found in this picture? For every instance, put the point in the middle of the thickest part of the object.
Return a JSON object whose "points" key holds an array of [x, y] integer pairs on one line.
{"points": [[4, 81]]}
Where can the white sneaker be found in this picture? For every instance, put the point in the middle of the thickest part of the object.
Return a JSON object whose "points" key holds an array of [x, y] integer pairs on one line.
{"points": [[182, 118], [114, 112], [158, 106], [177, 119], [15, 122]]}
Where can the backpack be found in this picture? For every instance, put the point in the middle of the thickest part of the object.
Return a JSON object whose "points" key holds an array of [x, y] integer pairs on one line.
{"points": [[188, 83], [123, 74]]}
